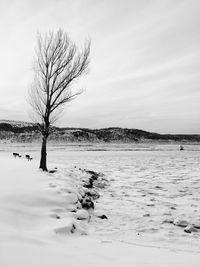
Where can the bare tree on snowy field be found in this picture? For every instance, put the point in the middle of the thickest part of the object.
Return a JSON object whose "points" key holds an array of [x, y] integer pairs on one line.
{"points": [[58, 64]]}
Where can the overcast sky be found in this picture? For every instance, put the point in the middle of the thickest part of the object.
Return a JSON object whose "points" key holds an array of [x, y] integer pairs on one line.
{"points": [[145, 61]]}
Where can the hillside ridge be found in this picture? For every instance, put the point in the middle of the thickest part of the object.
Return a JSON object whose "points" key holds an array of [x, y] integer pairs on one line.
{"points": [[19, 131]]}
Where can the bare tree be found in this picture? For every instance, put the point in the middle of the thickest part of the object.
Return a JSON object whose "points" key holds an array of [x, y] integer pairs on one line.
{"points": [[58, 64]]}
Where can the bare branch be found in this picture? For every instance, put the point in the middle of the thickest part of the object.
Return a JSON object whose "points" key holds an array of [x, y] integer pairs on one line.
{"points": [[58, 64]]}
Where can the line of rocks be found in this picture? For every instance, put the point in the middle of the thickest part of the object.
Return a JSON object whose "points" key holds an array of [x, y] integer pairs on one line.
{"points": [[188, 227], [91, 185], [82, 202]]}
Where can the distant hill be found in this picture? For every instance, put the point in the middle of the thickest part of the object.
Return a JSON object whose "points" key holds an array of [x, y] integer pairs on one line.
{"points": [[17, 131]]}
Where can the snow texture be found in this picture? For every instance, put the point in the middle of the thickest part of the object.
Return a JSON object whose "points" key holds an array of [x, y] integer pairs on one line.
{"points": [[150, 200]]}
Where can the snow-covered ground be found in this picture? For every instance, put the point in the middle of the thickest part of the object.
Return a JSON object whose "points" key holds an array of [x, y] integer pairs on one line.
{"points": [[149, 193]]}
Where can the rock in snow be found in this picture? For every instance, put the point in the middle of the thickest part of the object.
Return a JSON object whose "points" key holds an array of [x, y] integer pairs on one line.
{"points": [[100, 214], [181, 223], [103, 216], [82, 214], [87, 203], [190, 229]]}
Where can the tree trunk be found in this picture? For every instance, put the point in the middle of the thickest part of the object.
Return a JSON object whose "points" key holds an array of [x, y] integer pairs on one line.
{"points": [[43, 159]]}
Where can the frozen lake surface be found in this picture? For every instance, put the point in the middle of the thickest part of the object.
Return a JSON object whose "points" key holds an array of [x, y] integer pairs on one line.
{"points": [[149, 185]]}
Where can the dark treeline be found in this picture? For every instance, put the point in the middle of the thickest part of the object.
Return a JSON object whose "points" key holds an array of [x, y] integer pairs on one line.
{"points": [[30, 133]]}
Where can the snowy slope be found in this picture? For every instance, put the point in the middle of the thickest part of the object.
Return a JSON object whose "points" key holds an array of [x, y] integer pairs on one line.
{"points": [[32, 235]]}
